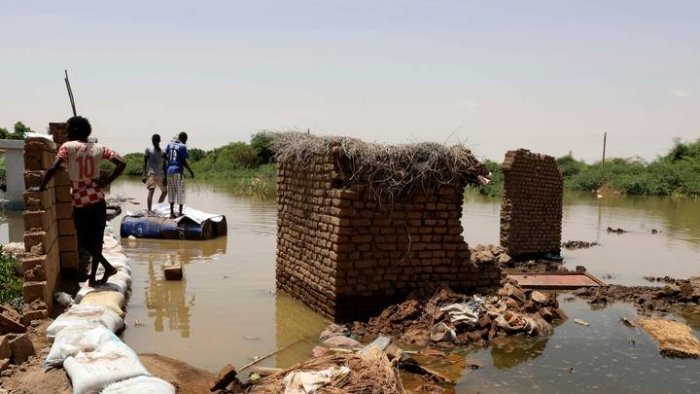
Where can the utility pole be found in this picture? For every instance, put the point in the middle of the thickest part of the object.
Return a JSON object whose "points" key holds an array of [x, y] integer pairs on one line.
{"points": [[605, 139]]}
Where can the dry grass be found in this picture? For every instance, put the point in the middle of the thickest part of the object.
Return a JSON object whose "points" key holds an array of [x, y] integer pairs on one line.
{"points": [[371, 372], [387, 170], [675, 339]]}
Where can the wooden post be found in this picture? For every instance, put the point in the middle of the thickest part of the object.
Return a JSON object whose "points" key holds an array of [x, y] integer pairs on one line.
{"points": [[605, 139]]}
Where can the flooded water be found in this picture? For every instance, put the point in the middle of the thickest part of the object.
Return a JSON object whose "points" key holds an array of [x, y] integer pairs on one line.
{"points": [[226, 309]]}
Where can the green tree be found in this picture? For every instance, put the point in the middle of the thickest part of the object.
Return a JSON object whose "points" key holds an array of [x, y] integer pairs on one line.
{"points": [[569, 166], [261, 142], [196, 154], [20, 130]]}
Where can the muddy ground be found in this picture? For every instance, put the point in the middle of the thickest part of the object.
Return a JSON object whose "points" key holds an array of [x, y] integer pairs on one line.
{"points": [[32, 378]]}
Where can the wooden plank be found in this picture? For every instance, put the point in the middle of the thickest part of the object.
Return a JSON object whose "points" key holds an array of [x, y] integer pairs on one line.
{"points": [[556, 280]]}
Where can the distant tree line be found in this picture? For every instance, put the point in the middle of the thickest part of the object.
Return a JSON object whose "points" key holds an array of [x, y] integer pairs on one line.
{"points": [[233, 159], [676, 173], [19, 130]]}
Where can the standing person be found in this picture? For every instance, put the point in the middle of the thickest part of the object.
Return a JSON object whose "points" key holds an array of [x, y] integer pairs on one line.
{"points": [[176, 155], [83, 159], [154, 171]]}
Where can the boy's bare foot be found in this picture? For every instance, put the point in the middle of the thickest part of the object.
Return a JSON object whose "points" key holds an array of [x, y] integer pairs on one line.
{"points": [[108, 272]]}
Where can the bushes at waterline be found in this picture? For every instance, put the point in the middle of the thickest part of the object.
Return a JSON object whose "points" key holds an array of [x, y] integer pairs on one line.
{"points": [[676, 173], [10, 283]]}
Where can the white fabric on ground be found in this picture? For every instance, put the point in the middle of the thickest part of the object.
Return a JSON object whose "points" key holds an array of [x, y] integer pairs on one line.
{"points": [[305, 382]]}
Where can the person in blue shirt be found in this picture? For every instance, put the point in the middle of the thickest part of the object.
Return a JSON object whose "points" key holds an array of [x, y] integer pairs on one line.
{"points": [[176, 158]]}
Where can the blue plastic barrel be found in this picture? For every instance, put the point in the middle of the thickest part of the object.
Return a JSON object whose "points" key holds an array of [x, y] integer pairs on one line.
{"points": [[148, 227]]}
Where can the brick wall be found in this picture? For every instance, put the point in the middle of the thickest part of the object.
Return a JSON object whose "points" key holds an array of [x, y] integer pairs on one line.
{"points": [[59, 132], [346, 254], [49, 231], [531, 212]]}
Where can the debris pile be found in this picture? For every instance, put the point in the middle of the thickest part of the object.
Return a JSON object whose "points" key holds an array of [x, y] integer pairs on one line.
{"points": [[448, 319], [363, 372], [491, 254], [571, 245], [15, 345], [647, 298]]}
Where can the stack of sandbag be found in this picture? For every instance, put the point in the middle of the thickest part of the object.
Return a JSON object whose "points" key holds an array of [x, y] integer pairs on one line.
{"points": [[84, 337]]}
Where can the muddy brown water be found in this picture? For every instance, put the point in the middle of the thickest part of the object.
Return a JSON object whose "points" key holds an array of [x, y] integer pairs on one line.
{"points": [[226, 309]]}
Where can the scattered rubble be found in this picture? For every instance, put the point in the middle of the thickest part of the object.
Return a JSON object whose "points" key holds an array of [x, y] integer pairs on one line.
{"points": [[616, 230], [490, 254], [571, 245], [496, 254], [449, 320], [10, 320], [676, 292], [224, 378]]}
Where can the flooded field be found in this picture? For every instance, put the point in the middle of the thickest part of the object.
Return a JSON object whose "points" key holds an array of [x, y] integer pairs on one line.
{"points": [[226, 309]]}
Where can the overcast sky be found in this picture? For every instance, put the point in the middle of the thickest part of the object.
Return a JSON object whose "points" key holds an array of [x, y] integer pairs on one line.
{"points": [[550, 76]]}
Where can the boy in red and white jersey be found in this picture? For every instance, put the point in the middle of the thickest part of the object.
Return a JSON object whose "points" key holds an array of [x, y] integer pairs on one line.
{"points": [[83, 160]]}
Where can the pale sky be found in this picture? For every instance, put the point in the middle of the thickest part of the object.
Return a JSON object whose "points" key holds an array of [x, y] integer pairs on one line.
{"points": [[549, 76]]}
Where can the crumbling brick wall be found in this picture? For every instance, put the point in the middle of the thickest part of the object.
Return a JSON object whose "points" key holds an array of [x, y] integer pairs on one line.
{"points": [[50, 238], [347, 254], [531, 212]]}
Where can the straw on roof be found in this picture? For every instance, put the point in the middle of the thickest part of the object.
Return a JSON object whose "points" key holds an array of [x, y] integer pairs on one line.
{"points": [[386, 169]]}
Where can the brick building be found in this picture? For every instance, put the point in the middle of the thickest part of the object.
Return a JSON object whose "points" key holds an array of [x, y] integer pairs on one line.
{"points": [[361, 225]]}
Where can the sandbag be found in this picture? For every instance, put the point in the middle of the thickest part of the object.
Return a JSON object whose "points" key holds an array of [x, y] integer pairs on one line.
{"points": [[112, 362], [81, 293], [113, 300], [118, 261], [141, 385], [75, 339], [86, 314], [117, 284]]}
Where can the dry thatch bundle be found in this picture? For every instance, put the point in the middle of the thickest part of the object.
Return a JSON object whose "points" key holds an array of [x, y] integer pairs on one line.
{"points": [[675, 339], [370, 372], [388, 170]]}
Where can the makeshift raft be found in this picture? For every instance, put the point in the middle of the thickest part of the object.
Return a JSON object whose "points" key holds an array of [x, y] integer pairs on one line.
{"points": [[193, 224]]}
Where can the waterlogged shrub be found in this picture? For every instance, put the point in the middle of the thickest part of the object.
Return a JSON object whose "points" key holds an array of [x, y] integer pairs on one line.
{"points": [[495, 187], [10, 284]]}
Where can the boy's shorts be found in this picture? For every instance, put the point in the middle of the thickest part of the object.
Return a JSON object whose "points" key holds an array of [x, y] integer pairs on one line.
{"points": [[153, 181], [176, 188]]}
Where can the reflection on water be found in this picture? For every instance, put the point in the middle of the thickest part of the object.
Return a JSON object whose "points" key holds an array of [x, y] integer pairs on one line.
{"points": [[225, 310], [166, 299], [627, 257], [296, 328], [606, 356], [510, 352]]}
